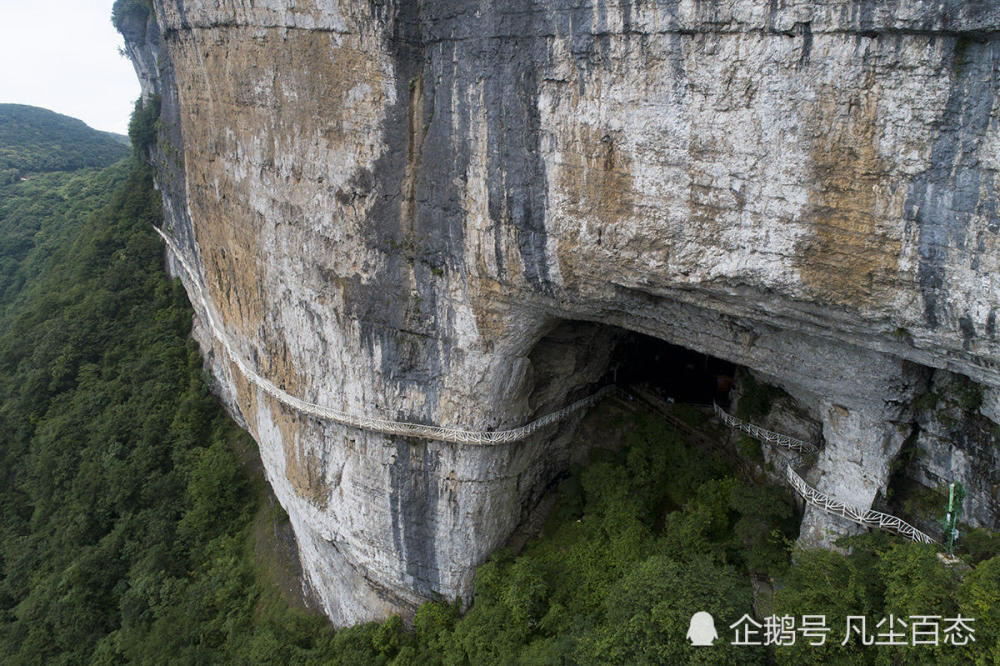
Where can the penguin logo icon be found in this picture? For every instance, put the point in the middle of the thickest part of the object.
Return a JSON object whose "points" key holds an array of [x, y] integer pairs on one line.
{"points": [[702, 630]]}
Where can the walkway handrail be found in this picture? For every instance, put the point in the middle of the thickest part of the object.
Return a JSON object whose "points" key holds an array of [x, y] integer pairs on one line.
{"points": [[867, 518], [765, 435], [373, 423]]}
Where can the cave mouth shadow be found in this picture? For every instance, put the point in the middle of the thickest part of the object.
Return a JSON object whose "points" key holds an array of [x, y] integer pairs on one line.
{"points": [[575, 357], [676, 372]]}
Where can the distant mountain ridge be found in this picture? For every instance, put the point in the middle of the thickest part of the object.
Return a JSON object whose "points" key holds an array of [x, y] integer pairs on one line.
{"points": [[33, 140]]}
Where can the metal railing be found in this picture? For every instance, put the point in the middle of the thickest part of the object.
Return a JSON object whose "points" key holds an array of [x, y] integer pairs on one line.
{"points": [[765, 435], [868, 518], [367, 422]]}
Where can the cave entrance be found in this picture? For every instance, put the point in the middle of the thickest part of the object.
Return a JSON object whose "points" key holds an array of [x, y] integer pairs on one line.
{"points": [[677, 373], [583, 355]]}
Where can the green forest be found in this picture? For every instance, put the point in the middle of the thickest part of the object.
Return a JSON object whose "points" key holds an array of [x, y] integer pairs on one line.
{"points": [[34, 140], [135, 517]]}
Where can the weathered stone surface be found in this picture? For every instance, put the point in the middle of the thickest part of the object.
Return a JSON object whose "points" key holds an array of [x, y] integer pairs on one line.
{"points": [[854, 467], [958, 440], [392, 203]]}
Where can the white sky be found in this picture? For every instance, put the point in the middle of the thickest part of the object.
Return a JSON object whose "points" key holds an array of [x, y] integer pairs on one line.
{"points": [[63, 55]]}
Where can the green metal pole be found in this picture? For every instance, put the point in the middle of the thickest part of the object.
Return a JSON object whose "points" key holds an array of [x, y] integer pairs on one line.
{"points": [[956, 493], [951, 520]]}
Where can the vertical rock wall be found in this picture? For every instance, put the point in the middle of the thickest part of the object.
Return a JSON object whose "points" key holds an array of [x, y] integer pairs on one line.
{"points": [[958, 440], [391, 203]]}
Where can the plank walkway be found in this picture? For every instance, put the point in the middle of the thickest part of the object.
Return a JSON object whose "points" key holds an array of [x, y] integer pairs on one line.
{"points": [[812, 496], [387, 426], [373, 423]]}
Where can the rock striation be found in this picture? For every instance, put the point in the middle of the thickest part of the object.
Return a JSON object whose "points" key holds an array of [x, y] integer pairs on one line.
{"points": [[444, 211]]}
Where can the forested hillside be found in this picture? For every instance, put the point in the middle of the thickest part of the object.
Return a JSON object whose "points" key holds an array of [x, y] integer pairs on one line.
{"points": [[34, 140], [129, 508], [135, 525]]}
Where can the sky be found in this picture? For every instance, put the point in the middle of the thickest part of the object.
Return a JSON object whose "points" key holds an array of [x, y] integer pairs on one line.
{"points": [[63, 55]]}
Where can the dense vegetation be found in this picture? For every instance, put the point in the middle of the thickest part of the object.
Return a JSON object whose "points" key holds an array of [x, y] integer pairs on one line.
{"points": [[34, 140], [131, 509], [643, 538], [884, 577], [128, 512]]}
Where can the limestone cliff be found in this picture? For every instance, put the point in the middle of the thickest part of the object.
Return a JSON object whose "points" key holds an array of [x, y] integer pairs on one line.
{"points": [[398, 209]]}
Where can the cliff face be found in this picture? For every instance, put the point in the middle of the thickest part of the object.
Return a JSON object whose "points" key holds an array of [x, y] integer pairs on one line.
{"points": [[395, 208]]}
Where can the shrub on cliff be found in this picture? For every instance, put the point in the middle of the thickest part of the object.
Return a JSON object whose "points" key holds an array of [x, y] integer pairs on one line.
{"points": [[124, 12], [143, 127], [979, 597]]}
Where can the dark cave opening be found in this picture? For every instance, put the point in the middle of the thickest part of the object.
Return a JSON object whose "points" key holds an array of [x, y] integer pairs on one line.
{"points": [[574, 358], [676, 372], [586, 354]]}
